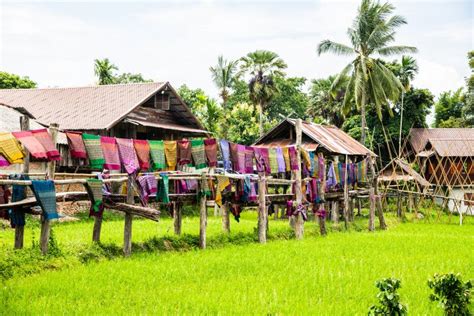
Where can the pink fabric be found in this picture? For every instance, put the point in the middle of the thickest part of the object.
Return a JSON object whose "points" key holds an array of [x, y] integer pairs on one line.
{"points": [[127, 154], [76, 145], [262, 159], [28, 140], [142, 148], [110, 151], [249, 156], [45, 139], [293, 158], [3, 161]]}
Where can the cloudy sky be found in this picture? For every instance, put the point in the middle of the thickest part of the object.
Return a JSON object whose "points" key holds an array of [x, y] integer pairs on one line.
{"points": [[56, 42]]}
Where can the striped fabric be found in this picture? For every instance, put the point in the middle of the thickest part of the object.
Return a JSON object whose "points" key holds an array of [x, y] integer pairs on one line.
{"points": [[94, 189], [10, 148], [157, 153], [76, 145], [199, 153], [249, 156], [110, 151], [286, 156], [184, 152], [94, 150], [142, 149], [280, 159], [293, 158], [30, 142], [171, 154], [210, 146], [128, 156], [272, 155], [45, 194], [45, 139]]}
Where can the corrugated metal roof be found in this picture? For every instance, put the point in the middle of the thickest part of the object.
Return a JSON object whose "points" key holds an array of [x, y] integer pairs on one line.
{"points": [[83, 108], [330, 137], [452, 142], [284, 142], [10, 122]]}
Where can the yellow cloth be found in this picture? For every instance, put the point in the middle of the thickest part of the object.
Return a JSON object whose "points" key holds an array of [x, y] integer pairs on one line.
{"points": [[306, 158], [222, 183], [286, 155], [11, 148], [171, 154]]}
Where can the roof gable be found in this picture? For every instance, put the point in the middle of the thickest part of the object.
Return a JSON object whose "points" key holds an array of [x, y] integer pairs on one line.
{"points": [[453, 142]]}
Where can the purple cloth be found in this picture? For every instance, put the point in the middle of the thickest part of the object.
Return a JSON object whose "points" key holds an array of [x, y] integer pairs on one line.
{"points": [[225, 151], [280, 159], [249, 155], [241, 158], [331, 178], [293, 158], [322, 167], [128, 156], [262, 159], [148, 185]]}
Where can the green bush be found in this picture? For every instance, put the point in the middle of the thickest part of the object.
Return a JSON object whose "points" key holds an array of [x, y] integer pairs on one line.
{"points": [[389, 299], [452, 293]]}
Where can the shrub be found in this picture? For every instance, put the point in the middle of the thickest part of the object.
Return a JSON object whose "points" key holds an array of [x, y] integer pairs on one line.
{"points": [[452, 293], [389, 299]]}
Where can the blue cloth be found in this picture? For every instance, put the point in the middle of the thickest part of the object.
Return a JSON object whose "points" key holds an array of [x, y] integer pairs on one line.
{"points": [[225, 150], [45, 194], [247, 189], [17, 217], [331, 177]]}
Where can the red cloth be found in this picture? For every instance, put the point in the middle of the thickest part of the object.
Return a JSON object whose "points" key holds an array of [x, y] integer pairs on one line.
{"points": [[28, 140], [142, 147], [76, 145], [210, 146], [110, 151], [45, 139], [184, 152], [293, 158]]}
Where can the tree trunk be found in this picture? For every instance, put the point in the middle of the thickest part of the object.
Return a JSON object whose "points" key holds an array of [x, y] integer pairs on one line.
{"points": [[363, 121], [261, 131]]}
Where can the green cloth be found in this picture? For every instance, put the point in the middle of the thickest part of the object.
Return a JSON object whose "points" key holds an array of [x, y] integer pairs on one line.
{"points": [[95, 187], [163, 190], [272, 156], [94, 150], [157, 152], [199, 153]]}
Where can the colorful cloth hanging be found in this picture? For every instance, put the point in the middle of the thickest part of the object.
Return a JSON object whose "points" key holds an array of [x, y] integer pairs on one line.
{"points": [[262, 159], [342, 168], [45, 194], [331, 179], [273, 162], [286, 156], [142, 148], [157, 153], [184, 152], [280, 159], [163, 189], [94, 189], [249, 156], [225, 151], [3, 161], [222, 183], [306, 159], [128, 156], [237, 153], [94, 150], [236, 210], [17, 216], [199, 153], [45, 139], [321, 167], [29, 141], [110, 152], [148, 185], [10, 148], [171, 154], [210, 146], [76, 145], [293, 158], [336, 173], [362, 171]]}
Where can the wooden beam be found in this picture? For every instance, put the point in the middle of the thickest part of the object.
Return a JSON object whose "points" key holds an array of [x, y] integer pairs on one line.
{"points": [[202, 214], [322, 219]]}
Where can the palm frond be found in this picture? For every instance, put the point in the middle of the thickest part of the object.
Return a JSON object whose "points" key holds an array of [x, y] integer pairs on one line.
{"points": [[396, 50], [328, 46]]}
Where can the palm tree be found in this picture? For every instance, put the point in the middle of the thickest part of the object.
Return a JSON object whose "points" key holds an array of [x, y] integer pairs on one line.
{"points": [[408, 70], [224, 75], [103, 69], [372, 32], [262, 66]]}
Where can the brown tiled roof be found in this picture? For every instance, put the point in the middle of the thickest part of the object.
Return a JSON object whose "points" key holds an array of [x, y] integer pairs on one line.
{"points": [[452, 142], [330, 137], [83, 108]]}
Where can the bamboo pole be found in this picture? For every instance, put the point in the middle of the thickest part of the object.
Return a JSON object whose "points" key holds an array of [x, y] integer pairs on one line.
{"points": [[346, 195], [202, 215], [378, 201], [45, 224], [372, 209], [127, 231], [299, 223]]}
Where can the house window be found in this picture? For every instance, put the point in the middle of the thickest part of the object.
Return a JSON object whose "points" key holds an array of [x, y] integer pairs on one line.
{"points": [[469, 198], [165, 101]]}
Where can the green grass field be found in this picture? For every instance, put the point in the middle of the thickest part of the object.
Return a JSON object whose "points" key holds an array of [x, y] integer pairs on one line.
{"points": [[334, 275]]}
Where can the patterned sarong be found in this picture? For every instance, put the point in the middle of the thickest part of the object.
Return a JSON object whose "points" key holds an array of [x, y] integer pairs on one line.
{"points": [[94, 189], [30, 142], [45, 194], [157, 152], [110, 151], [171, 153], [148, 186], [286, 156], [10, 148], [142, 149], [280, 159], [17, 216], [199, 153], [306, 159], [210, 146], [45, 139], [322, 167], [184, 152], [94, 150], [262, 159], [341, 168], [225, 151], [362, 171], [163, 190], [293, 158], [76, 145], [128, 156], [272, 157], [222, 183], [249, 156], [331, 179], [234, 157]]}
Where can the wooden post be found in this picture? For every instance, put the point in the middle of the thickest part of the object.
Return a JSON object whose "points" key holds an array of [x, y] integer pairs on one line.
{"points": [[372, 209], [335, 213], [45, 224], [378, 200], [346, 195], [262, 209], [359, 207], [322, 220], [202, 215], [97, 229], [351, 209], [399, 205], [177, 217], [20, 230], [127, 231], [299, 223], [225, 218]]}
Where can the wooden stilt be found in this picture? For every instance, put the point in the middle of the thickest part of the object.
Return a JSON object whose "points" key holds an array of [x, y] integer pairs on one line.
{"points": [[262, 209], [225, 218], [346, 195], [202, 216], [127, 232], [299, 222], [177, 218], [378, 200], [351, 209], [322, 219], [20, 230], [372, 209], [359, 207], [97, 229], [335, 212]]}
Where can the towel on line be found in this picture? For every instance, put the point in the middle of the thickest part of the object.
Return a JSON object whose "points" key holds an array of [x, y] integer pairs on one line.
{"points": [[29, 141], [76, 145], [45, 194], [94, 150], [171, 154], [110, 151], [210, 146], [157, 152], [199, 153], [127, 154]]}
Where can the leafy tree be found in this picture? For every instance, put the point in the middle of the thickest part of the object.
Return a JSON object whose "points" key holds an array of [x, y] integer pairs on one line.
{"points": [[190, 96], [12, 81], [449, 108], [263, 66], [128, 77], [224, 75], [240, 94], [468, 110], [371, 82], [324, 104], [389, 299], [104, 70], [452, 293], [291, 98]]}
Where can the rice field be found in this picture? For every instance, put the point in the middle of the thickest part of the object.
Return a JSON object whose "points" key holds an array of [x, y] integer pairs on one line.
{"points": [[333, 275]]}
